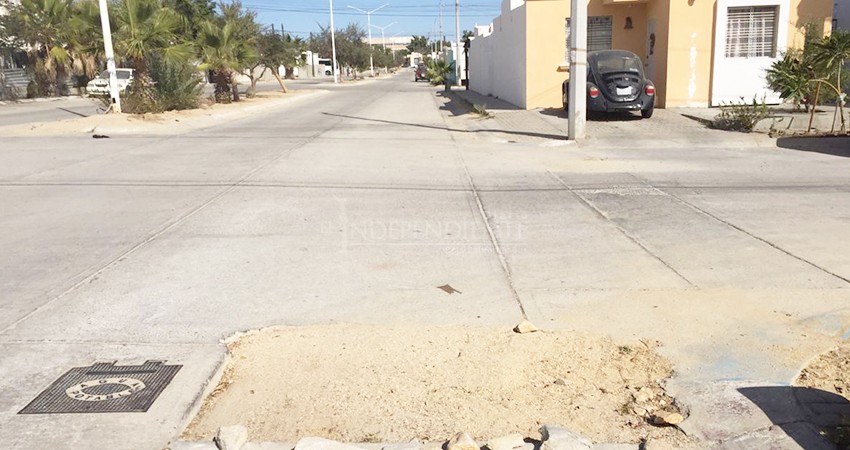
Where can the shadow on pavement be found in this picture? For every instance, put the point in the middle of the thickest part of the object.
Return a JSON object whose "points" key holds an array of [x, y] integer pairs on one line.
{"points": [[829, 145], [433, 127], [813, 418], [594, 116]]}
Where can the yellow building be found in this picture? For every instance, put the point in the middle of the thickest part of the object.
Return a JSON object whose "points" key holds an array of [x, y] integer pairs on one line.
{"points": [[697, 52]]}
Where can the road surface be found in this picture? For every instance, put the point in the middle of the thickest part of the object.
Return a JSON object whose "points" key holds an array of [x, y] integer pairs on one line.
{"points": [[355, 205]]}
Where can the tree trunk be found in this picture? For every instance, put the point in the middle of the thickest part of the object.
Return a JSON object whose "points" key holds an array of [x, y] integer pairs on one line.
{"points": [[841, 98], [234, 86], [279, 80], [222, 86]]}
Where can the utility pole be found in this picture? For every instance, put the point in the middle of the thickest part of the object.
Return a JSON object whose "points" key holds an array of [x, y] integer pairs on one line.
{"points": [[334, 64], [578, 70], [110, 58], [440, 37], [369, 24], [457, 43]]}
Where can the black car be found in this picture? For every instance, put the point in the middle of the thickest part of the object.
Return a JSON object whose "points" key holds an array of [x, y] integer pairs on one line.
{"points": [[615, 82]]}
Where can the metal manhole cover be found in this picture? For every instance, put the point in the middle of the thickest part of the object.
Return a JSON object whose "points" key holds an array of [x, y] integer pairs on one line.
{"points": [[104, 387]]}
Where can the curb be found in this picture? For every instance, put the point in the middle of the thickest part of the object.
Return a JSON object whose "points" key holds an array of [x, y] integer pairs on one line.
{"points": [[552, 437]]}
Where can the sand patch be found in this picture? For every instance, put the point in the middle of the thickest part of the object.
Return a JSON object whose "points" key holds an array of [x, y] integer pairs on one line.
{"points": [[360, 383]]}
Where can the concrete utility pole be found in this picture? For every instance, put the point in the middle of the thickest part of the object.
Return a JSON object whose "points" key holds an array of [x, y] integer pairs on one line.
{"points": [[334, 64], [110, 58], [369, 26], [457, 43], [440, 37], [578, 70]]}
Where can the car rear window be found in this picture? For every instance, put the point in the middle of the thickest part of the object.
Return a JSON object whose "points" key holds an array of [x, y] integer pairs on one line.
{"points": [[618, 64]]}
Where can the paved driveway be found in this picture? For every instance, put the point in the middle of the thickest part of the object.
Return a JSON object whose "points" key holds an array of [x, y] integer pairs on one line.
{"points": [[354, 206]]}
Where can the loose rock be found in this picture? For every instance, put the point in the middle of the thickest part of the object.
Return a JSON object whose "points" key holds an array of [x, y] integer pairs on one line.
{"points": [[558, 438], [644, 395], [231, 438], [667, 418], [525, 327], [510, 442], [462, 441]]}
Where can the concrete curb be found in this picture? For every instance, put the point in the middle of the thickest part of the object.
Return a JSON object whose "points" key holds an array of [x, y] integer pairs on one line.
{"points": [[553, 438]]}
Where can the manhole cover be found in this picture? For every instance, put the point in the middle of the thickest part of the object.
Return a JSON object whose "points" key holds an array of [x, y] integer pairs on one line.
{"points": [[104, 387]]}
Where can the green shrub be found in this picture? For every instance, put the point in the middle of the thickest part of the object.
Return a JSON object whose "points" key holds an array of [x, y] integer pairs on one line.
{"points": [[792, 78], [176, 86], [740, 116]]}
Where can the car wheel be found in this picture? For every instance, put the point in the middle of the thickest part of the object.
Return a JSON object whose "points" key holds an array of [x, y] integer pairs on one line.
{"points": [[647, 113]]}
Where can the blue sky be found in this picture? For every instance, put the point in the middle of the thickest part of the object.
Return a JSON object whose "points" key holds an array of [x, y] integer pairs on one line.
{"points": [[413, 17]]}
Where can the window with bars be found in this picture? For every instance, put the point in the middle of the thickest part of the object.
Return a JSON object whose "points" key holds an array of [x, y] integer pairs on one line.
{"points": [[751, 32], [599, 30]]}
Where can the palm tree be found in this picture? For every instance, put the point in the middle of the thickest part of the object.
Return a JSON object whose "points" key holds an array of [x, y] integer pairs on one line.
{"points": [[40, 26], [85, 39], [224, 53], [832, 53], [145, 26]]}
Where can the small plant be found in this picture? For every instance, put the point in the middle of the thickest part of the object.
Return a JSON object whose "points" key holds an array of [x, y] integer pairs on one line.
{"points": [[624, 349], [792, 78], [439, 71], [481, 110], [740, 116]]}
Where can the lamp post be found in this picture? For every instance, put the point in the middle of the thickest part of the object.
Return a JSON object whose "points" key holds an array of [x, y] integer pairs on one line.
{"points": [[334, 64], [110, 57], [369, 23], [384, 42]]}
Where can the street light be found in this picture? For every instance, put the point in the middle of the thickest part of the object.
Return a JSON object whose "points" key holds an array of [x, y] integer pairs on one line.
{"points": [[334, 64], [369, 23], [383, 42]]}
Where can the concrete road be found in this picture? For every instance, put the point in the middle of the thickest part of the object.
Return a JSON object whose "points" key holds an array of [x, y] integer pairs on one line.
{"points": [[355, 205], [47, 110], [55, 109]]}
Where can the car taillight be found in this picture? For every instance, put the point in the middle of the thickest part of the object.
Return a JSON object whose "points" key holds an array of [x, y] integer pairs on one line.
{"points": [[650, 89], [593, 91]]}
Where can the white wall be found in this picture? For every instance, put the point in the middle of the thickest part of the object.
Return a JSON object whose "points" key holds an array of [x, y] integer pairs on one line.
{"points": [[497, 56], [734, 78]]}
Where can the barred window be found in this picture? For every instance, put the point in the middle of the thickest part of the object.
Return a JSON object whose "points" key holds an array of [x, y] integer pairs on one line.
{"points": [[599, 32], [751, 32]]}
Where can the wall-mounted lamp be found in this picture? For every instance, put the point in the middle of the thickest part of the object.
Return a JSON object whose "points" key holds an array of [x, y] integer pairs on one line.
{"points": [[629, 25]]}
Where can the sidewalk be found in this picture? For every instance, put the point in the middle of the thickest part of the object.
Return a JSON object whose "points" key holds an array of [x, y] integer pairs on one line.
{"points": [[667, 128]]}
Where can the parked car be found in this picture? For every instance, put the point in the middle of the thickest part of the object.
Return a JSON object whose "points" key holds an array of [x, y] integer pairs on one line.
{"points": [[100, 85], [615, 82], [421, 72]]}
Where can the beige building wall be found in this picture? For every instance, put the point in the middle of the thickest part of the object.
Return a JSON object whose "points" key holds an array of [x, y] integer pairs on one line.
{"points": [[680, 62]]}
